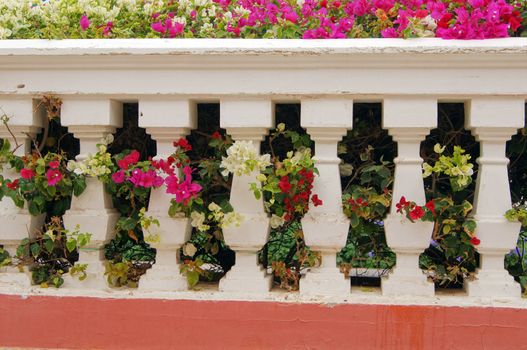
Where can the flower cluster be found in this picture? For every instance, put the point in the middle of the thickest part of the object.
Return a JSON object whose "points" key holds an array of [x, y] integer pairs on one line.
{"points": [[57, 19], [95, 165], [416, 212], [286, 185], [242, 159], [457, 167], [43, 181]]}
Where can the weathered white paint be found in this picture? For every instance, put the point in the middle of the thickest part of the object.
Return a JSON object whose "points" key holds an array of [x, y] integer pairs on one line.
{"points": [[326, 227], [90, 121], [166, 122], [493, 122], [247, 120], [408, 120]]}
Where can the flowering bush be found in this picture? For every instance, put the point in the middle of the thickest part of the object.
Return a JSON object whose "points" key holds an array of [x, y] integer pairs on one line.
{"points": [[59, 19]]}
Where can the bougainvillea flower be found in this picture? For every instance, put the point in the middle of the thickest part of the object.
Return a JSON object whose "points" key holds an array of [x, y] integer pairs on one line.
{"points": [[316, 200], [403, 204], [475, 241], [27, 174], [84, 22], [119, 177], [183, 143], [12, 185], [284, 184], [53, 176], [54, 164], [417, 213]]}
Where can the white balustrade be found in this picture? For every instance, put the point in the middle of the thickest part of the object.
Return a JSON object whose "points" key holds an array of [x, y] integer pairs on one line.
{"points": [[247, 120], [26, 118], [90, 121], [326, 227], [493, 121], [408, 120], [166, 121], [246, 76]]}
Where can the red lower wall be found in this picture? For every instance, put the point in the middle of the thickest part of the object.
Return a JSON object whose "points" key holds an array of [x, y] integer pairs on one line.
{"points": [[91, 323]]}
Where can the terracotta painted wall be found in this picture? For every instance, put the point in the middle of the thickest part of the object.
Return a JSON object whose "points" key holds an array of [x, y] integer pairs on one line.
{"points": [[91, 323]]}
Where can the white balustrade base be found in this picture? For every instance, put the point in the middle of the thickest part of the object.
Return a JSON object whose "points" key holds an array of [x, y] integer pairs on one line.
{"points": [[398, 282], [165, 274], [11, 276], [324, 282], [246, 276], [493, 284], [95, 271]]}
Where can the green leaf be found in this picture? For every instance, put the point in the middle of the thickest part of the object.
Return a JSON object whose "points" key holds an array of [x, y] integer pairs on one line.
{"points": [[79, 185], [71, 244], [192, 278], [35, 249], [49, 245]]}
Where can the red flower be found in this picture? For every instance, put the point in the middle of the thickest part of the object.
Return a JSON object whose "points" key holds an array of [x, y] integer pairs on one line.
{"points": [[216, 135], [316, 200], [417, 213], [430, 205], [123, 164], [475, 240], [12, 185], [403, 204], [133, 157], [27, 174], [183, 143], [54, 164], [284, 184]]}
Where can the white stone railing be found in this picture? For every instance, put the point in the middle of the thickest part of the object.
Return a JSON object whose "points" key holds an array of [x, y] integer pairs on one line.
{"points": [[247, 77]]}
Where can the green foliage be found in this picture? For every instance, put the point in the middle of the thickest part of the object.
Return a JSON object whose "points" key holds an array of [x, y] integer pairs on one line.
{"points": [[52, 253]]}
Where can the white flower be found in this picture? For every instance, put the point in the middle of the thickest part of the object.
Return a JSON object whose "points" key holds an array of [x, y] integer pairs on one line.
{"points": [[231, 218], [189, 249], [242, 159], [198, 220], [276, 221], [214, 207]]}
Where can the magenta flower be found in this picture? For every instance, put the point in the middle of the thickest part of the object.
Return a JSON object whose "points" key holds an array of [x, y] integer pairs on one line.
{"points": [[145, 179], [183, 190], [84, 22], [118, 177], [54, 164], [53, 176]]}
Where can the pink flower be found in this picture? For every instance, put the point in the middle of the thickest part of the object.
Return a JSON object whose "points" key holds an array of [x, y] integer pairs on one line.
{"points": [[54, 164], [53, 176], [158, 27], [27, 174], [118, 177], [183, 190], [145, 179], [84, 22], [108, 29]]}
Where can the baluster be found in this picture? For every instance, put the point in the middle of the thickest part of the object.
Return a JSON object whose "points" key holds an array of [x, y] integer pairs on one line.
{"points": [[326, 227], [90, 120], [25, 120], [408, 121], [493, 121], [166, 122], [247, 120]]}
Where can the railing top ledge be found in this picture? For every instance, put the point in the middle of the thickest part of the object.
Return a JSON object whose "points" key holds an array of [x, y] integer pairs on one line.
{"points": [[259, 47]]}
